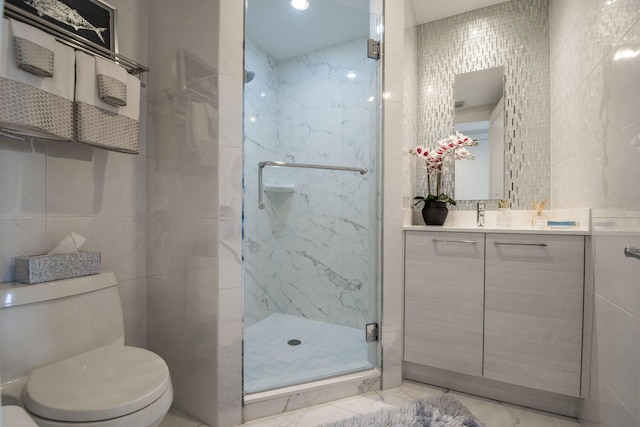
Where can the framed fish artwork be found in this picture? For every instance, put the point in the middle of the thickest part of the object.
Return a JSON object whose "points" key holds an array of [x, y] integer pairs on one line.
{"points": [[93, 20]]}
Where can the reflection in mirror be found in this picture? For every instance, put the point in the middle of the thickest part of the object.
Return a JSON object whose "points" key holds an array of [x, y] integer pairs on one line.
{"points": [[479, 114]]}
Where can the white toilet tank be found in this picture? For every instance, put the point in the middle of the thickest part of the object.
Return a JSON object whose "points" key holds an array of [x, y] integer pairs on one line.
{"points": [[47, 322]]}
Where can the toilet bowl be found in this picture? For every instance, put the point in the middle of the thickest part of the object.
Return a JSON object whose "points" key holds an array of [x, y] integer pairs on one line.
{"points": [[14, 416], [78, 372]]}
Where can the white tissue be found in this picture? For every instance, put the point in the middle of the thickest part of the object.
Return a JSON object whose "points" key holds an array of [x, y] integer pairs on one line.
{"points": [[68, 245]]}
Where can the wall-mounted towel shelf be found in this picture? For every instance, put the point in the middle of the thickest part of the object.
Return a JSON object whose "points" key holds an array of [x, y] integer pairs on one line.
{"points": [[76, 42]]}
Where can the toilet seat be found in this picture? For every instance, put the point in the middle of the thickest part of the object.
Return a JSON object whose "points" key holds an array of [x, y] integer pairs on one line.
{"points": [[108, 382]]}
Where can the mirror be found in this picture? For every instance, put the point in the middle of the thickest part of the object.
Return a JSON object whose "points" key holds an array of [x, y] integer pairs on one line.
{"points": [[479, 114]]}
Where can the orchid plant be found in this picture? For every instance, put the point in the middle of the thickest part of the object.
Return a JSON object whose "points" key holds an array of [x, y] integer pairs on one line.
{"points": [[453, 146]]}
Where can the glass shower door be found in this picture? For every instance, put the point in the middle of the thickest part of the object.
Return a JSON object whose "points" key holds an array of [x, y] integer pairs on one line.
{"points": [[310, 274]]}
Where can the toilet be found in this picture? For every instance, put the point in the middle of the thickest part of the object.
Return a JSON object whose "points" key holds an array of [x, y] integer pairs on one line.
{"points": [[63, 358], [14, 416]]}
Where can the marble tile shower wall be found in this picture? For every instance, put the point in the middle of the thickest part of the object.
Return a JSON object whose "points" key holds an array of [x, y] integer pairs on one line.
{"points": [[309, 251], [261, 143], [595, 152], [48, 189], [513, 34]]}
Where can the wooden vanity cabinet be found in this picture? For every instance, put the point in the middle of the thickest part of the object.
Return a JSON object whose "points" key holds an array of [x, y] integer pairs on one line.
{"points": [[533, 311], [504, 307], [444, 300]]}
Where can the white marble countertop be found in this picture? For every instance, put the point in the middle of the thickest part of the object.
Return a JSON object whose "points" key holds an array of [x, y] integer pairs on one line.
{"points": [[504, 230], [465, 221]]}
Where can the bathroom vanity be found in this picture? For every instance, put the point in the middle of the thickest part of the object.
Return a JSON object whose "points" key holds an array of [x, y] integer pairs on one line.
{"points": [[497, 312]]}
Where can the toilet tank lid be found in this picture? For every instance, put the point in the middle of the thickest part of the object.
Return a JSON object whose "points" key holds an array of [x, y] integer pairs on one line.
{"points": [[13, 294]]}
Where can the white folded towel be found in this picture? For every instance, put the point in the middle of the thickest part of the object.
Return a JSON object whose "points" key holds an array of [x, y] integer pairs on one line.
{"points": [[33, 34], [33, 48], [99, 123], [32, 105], [112, 82]]}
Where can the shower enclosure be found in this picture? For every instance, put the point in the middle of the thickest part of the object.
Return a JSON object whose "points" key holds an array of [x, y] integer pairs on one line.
{"points": [[311, 223]]}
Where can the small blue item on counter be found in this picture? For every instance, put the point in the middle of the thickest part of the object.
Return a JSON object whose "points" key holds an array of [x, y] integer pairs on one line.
{"points": [[556, 223]]}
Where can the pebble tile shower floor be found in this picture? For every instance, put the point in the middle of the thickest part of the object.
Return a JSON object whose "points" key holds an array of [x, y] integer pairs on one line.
{"points": [[325, 349]]}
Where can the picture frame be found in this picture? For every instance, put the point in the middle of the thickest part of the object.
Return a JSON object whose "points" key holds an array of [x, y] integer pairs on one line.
{"points": [[91, 20]]}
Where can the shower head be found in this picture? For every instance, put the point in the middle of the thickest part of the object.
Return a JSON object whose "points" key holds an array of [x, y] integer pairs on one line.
{"points": [[248, 76]]}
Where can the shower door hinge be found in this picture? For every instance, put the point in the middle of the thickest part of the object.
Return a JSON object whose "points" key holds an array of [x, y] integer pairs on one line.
{"points": [[373, 49], [371, 332]]}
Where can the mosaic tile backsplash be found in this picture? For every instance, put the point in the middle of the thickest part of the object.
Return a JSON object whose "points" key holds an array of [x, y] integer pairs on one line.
{"points": [[515, 35]]}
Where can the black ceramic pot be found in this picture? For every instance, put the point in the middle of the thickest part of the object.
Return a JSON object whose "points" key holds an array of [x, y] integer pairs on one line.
{"points": [[434, 213]]}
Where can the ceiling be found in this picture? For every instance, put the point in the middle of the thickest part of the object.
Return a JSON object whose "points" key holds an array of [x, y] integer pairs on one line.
{"points": [[285, 32], [432, 10]]}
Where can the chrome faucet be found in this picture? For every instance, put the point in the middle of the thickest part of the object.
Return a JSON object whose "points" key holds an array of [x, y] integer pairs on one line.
{"points": [[480, 214]]}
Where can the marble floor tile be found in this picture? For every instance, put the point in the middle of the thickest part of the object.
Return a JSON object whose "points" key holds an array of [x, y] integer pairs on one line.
{"points": [[178, 419], [533, 418], [491, 412]]}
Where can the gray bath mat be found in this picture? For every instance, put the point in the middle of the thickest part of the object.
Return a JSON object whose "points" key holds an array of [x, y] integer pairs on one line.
{"points": [[441, 411]]}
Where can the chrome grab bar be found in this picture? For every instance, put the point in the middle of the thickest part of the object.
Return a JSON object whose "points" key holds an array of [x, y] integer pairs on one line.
{"points": [[519, 244], [632, 252], [473, 242], [262, 165]]}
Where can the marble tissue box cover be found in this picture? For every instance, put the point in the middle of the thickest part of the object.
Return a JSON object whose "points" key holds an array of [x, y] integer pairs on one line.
{"points": [[45, 268]]}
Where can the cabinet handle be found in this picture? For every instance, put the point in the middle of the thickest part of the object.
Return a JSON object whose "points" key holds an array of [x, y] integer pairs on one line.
{"points": [[472, 242], [519, 244], [632, 252]]}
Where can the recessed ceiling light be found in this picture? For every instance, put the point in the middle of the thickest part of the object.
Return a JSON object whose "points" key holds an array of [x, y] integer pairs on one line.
{"points": [[351, 75], [300, 4]]}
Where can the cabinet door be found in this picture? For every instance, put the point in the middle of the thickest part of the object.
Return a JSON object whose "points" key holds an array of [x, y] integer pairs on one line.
{"points": [[444, 300], [533, 311]]}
